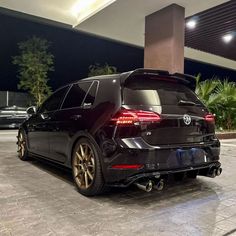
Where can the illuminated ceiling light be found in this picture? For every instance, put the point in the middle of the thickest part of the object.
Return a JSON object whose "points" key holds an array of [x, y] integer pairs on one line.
{"points": [[84, 9], [191, 24], [80, 6], [227, 38]]}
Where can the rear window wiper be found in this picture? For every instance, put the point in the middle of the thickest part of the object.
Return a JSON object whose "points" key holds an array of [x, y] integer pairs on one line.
{"points": [[187, 103]]}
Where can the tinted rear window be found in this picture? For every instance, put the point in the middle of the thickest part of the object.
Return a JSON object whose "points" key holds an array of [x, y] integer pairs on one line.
{"points": [[76, 95], [90, 97], [54, 101], [154, 92]]}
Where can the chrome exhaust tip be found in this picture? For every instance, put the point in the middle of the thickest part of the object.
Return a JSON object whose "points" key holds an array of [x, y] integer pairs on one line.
{"points": [[160, 185], [218, 171], [145, 186], [212, 173]]}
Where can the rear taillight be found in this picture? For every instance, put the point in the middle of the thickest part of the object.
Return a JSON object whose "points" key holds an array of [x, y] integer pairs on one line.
{"points": [[130, 117], [125, 166], [209, 118]]}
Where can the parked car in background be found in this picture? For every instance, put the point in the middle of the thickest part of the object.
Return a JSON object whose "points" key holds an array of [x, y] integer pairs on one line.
{"points": [[136, 128], [12, 116]]}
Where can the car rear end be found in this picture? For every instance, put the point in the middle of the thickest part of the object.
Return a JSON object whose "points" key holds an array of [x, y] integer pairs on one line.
{"points": [[161, 128]]}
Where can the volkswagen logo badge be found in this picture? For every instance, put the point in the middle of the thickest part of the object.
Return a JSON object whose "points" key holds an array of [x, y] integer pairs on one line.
{"points": [[187, 119]]}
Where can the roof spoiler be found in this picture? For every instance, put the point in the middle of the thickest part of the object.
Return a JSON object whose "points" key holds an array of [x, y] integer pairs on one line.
{"points": [[188, 80]]}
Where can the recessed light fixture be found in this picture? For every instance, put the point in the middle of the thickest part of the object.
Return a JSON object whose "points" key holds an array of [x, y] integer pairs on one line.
{"points": [[191, 24], [83, 9], [227, 38], [81, 6]]}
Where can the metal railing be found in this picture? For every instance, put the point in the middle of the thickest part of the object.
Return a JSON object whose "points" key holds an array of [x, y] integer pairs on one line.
{"points": [[9, 98]]}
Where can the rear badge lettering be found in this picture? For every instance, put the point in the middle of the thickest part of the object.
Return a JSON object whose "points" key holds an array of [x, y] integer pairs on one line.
{"points": [[187, 119]]}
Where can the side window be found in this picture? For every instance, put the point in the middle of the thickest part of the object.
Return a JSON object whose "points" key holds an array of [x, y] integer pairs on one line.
{"points": [[54, 101], [76, 95], [90, 97]]}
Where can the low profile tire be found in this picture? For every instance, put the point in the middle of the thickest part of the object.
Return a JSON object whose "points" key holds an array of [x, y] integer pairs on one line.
{"points": [[86, 168], [21, 146]]}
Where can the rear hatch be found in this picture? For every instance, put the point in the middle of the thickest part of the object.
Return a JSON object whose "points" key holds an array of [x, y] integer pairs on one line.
{"points": [[183, 117]]}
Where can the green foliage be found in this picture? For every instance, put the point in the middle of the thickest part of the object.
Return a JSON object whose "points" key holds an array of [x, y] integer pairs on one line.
{"points": [[96, 69], [34, 63], [220, 98]]}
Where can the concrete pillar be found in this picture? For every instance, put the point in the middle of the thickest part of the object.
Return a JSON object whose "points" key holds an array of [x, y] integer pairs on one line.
{"points": [[164, 39]]}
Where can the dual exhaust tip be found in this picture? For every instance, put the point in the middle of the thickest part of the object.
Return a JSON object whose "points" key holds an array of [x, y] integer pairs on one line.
{"points": [[147, 186], [214, 171]]}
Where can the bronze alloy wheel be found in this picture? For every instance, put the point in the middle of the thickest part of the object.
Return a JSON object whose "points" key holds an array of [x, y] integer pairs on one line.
{"points": [[84, 166], [21, 146]]}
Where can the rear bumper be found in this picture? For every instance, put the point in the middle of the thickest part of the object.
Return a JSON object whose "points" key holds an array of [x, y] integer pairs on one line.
{"points": [[201, 170], [159, 160]]}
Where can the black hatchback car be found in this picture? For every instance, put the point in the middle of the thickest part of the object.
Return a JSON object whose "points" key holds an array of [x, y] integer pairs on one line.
{"points": [[132, 128]]}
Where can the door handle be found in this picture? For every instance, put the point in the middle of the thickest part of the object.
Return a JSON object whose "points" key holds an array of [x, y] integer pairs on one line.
{"points": [[45, 116], [87, 105], [75, 117]]}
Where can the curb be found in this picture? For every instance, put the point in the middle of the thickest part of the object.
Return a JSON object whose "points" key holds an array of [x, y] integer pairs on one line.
{"points": [[229, 135]]}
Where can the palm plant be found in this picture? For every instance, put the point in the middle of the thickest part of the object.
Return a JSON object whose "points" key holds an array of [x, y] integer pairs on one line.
{"points": [[97, 69], [206, 90], [227, 95], [220, 98]]}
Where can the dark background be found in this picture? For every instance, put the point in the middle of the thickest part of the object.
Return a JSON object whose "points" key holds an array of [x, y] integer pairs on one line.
{"points": [[75, 51]]}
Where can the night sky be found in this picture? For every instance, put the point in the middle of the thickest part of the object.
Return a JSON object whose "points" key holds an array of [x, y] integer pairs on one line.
{"points": [[75, 51]]}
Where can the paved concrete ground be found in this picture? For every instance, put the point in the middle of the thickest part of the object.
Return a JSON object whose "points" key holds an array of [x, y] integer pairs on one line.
{"points": [[36, 199]]}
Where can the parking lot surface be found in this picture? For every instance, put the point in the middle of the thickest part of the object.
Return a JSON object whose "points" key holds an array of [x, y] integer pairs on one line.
{"points": [[37, 199]]}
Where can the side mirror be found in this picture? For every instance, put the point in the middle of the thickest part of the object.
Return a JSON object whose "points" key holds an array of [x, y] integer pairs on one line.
{"points": [[31, 110]]}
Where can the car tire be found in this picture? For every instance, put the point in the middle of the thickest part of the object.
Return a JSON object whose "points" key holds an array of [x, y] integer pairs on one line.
{"points": [[22, 146], [86, 168]]}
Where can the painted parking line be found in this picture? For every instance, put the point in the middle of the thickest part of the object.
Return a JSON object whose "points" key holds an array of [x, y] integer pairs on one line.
{"points": [[8, 133]]}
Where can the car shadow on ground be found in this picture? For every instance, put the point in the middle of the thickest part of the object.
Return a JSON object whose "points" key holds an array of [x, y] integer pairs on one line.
{"points": [[174, 191], [193, 203], [53, 169]]}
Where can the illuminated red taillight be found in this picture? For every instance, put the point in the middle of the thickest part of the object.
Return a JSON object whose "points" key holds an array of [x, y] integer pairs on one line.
{"points": [[129, 117], [209, 118], [126, 166]]}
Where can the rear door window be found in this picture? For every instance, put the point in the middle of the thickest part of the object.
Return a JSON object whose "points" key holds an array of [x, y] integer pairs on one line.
{"points": [[90, 97], [157, 92], [76, 95], [54, 101]]}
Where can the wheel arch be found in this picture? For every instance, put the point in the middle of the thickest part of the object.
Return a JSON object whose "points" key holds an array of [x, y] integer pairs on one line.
{"points": [[98, 185], [76, 138], [24, 130]]}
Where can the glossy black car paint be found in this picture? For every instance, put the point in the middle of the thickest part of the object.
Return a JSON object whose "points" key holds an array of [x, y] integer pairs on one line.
{"points": [[166, 147]]}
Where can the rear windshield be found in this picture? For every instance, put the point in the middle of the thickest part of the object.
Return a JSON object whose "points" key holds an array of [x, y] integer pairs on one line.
{"points": [[157, 92]]}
